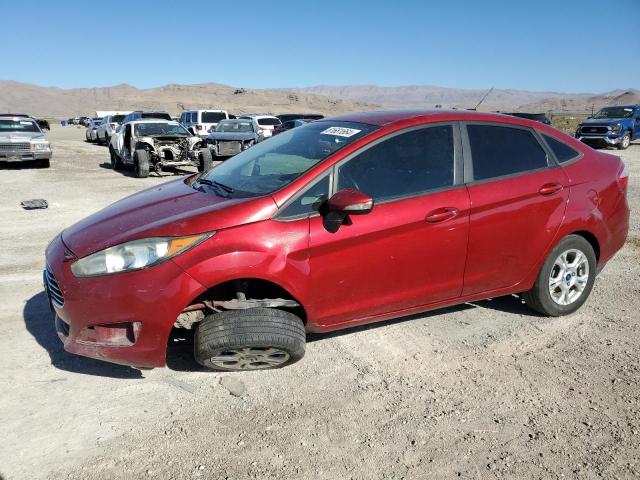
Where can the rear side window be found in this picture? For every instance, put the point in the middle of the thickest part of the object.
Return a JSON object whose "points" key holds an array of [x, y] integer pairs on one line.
{"points": [[269, 121], [213, 117], [498, 151], [402, 166], [561, 150]]}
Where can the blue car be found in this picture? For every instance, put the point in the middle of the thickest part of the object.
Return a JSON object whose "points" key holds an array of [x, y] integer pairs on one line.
{"points": [[611, 126]]}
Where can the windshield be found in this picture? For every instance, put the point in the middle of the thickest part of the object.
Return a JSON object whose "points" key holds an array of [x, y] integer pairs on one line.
{"points": [[150, 129], [213, 117], [117, 118], [614, 112], [276, 162], [21, 125], [236, 127]]}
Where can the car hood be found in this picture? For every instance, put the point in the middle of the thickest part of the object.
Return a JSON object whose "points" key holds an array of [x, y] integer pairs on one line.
{"points": [[232, 136], [603, 121], [19, 137], [170, 209]]}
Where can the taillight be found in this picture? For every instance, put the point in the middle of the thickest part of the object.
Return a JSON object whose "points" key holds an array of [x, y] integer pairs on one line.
{"points": [[198, 127], [623, 178]]}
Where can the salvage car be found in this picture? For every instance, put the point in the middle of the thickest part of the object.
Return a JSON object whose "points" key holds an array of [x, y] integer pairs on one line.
{"points": [[151, 145], [22, 140], [266, 123], [231, 137], [108, 127], [92, 128], [200, 122], [341, 222]]}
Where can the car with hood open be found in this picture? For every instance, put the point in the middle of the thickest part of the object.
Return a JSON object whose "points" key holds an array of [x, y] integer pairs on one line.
{"points": [[152, 145], [230, 137], [22, 140], [340, 222]]}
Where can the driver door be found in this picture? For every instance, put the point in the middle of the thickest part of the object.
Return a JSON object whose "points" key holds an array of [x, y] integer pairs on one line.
{"points": [[410, 249]]}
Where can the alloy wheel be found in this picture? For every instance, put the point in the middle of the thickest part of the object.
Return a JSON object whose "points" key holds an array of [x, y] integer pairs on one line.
{"points": [[249, 358], [569, 277]]}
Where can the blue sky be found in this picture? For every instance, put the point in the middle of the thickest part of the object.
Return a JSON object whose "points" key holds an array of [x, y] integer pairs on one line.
{"points": [[541, 45]]}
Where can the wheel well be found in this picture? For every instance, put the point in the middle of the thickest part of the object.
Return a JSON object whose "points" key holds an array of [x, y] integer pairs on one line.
{"points": [[251, 288], [591, 238]]}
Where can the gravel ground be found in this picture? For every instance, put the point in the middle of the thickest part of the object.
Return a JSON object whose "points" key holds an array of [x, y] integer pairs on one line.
{"points": [[484, 390]]}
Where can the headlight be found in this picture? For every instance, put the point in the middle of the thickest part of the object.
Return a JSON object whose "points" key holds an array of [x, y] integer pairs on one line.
{"points": [[135, 255], [616, 128], [40, 146]]}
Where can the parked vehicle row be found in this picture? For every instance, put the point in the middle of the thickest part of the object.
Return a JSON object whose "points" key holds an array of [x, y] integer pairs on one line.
{"points": [[339, 222]]}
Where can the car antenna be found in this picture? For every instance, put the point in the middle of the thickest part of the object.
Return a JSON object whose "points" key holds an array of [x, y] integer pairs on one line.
{"points": [[482, 99]]}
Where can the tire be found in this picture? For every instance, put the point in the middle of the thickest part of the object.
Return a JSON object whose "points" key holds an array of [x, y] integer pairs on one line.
{"points": [[540, 298], [116, 163], [206, 160], [625, 142], [251, 339], [141, 163]]}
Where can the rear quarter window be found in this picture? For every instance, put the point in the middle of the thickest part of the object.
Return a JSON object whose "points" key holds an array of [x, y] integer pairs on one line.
{"points": [[497, 151], [563, 152]]}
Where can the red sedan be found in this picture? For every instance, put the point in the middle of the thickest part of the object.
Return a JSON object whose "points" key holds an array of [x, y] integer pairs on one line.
{"points": [[340, 222]]}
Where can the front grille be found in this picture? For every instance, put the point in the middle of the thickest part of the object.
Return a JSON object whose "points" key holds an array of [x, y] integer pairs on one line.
{"points": [[52, 287], [15, 147], [229, 148], [588, 130]]}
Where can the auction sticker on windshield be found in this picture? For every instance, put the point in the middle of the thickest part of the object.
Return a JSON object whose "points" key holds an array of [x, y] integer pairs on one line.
{"points": [[340, 131]]}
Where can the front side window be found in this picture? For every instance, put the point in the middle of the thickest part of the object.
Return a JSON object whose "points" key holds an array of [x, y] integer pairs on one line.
{"points": [[404, 165], [561, 150], [498, 151], [309, 201], [276, 162]]}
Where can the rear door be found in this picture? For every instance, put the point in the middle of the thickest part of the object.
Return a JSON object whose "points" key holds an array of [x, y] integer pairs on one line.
{"points": [[410, 249], [518, 198]]}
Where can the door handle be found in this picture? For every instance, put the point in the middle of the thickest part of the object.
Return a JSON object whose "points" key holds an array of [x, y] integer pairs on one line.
{"points": [[441, 214], [550, 188]]}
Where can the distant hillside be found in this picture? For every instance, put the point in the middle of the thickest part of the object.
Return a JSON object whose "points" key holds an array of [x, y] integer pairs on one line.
{"points": [[423, 96], [329, 100], [63, 103]]}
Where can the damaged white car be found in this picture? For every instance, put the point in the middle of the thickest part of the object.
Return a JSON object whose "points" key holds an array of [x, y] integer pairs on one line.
{"points": [[152, 145]]}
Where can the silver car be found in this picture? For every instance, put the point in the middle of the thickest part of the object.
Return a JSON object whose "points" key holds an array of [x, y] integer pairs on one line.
{"points": [[231, 137], [22, 140]]}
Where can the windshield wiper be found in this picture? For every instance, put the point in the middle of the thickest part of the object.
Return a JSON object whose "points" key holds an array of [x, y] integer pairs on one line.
{"points": [[220, 186]]}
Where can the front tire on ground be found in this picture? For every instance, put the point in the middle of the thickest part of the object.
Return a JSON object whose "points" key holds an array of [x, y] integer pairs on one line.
{"points": [[206, 160], [116, 163], [565, 279], [141, 163], [251, 339], [625, 142]]}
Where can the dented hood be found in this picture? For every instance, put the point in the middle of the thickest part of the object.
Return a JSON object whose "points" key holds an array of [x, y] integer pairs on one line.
{"points": [[170, 209]]}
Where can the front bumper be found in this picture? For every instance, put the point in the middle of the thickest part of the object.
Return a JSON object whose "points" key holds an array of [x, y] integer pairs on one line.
{"points": [[600, 139], [151, 299], [21, 156]]}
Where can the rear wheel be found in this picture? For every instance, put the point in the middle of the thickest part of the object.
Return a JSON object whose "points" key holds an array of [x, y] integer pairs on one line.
{"points": [[206, 160], [566, 278], [141, 163], [251, 339], [625, 142]]}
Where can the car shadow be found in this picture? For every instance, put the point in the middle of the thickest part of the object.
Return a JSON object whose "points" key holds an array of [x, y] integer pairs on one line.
{"points": [[180, 346], [23, 165], [39, 323]]}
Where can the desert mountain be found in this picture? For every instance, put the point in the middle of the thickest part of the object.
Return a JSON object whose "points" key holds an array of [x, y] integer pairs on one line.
{"points": [[63, 103], [423, 96]]}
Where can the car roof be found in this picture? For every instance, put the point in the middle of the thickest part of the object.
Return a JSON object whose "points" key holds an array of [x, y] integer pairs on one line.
{"points": [[154, 120], [384, 118], [13, 117]]}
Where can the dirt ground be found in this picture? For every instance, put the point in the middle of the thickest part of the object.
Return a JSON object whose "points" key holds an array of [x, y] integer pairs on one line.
{"points": [[484, 390]]}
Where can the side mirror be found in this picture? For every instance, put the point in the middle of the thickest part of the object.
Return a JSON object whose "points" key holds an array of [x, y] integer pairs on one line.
{"points": [[350, 202]]}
